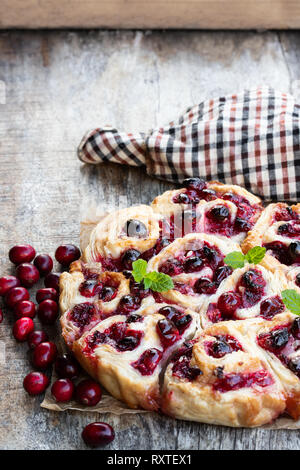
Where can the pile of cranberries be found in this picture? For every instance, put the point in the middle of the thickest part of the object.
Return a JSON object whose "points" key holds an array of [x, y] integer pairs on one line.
{"points": [[14, 291]]}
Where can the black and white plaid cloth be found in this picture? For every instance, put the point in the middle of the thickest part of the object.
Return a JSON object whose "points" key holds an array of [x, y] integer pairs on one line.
{"points": [[251, 139]]}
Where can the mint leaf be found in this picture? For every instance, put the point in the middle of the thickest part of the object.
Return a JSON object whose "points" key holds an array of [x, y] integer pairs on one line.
{"points": [[158, 282], [139, 270], [291, 300], [235, 259], [256, 254]]}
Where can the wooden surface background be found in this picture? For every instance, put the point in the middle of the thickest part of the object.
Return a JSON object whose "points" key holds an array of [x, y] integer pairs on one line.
{"points": [[53, 87], [191, 14]]}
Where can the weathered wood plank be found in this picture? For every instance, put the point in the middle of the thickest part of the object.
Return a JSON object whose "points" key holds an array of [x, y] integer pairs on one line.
{"points": [[58, 85]]}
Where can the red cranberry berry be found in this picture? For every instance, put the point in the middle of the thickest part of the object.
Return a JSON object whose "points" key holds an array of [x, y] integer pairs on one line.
{"points": [[66, 254], [36, 337], [44, 355], [108, 293], [52, 280], [297, 280], [167, 331], [7, 283], [270, 307], [192, 264], [47, 312], [22, 328], [90, 288], [148, 361], [279, 338], [44, 264], [63, 390], [196, 184], [129, 257], [221, 273], [35, 383], [88, 393], [228, 303], [47, 293], [98, 434], [21, 254], [25, 308], [1, 315], [128, 303], [28, 274], [294, 251], [15, 295], [219, 213], [66, 367], [204, 285]]}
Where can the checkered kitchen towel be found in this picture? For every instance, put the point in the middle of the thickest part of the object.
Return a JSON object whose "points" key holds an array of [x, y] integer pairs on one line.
{"points": [[251, 139]]}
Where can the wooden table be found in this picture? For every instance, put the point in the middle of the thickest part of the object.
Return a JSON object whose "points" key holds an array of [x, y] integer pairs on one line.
{"points": [[60, 84]]}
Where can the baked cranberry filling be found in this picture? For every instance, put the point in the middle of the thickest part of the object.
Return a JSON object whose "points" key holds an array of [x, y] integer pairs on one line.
{"points": [[228, 303], [223, 344], [118, 335], [181, 363], [177, 317], [283, 341], [254, 285], [285, 214], [297, 280], [138, 289], [271, 307], [148, 361], [127, 304], [234, 381], [213, 313], [204, 285], [82, 314], [167, 332], [286, 254], [291, 229], [108, 293], [90, 288]]}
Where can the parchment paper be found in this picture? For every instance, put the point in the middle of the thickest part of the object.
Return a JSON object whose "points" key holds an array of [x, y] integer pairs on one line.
{"points": [[108, 404]]}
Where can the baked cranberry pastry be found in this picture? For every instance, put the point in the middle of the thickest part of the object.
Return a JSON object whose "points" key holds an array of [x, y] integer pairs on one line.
{"points": [[224, 210], [196, 265], [280, 341], [249, 292], [127, 353], [220, 378]]}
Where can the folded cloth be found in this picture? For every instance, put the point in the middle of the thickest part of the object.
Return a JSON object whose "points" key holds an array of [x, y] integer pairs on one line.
{"points": [[251, 139]]}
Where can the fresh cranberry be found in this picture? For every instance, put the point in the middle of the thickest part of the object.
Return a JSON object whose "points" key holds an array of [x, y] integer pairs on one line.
{"points": [[204, 285], [63, 390], [44, 264], [21, 254], [98, 434], [148, 361], [66, 367], [47, 293], [108, 293], [35, 383], [52, 280], [36, 337], [15, 295], [22, 328], [90, 288], [197, 184], [270, 307], [219, 213], [228, 303], [135, 228], [47, 312], [129, 257], [7, 283], [221, 273], [1, 315], [25, 308], [192, 264], [28, 274], [294, 251], [44, 355], [88, 393], [66, 254]]}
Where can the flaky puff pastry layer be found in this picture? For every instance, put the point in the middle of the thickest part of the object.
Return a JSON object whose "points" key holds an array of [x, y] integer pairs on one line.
{"points": [[198, 400], [276, 282], [190, 242], [109, 238], [113, 368]]}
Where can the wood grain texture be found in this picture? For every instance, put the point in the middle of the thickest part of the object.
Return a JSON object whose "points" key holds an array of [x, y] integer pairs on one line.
{"points": [[58, 85], [191, 14]]}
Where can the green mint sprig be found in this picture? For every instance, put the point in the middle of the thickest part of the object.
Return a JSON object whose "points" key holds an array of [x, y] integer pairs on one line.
{"points": [[291, 300], [236, 259], [155, 281]]}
